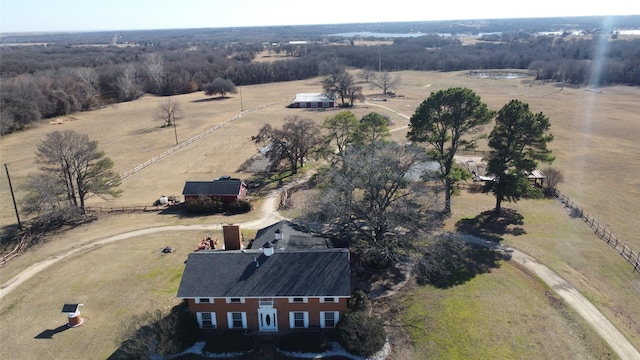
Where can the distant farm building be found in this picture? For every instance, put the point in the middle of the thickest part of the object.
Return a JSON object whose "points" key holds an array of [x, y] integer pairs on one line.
{"points": [[225, 188], [313, 100], [537, 177]]}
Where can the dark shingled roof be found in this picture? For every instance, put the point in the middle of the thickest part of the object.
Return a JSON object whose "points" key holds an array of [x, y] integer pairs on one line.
{"points": [[285, 273], [221, 187], [294, 236]]}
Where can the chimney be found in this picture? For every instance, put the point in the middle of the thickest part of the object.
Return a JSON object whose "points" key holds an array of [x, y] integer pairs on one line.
{"points": [[278, 234], [232, 237], [268, 249]]}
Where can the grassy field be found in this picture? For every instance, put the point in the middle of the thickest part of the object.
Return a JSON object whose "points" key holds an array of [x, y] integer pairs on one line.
{"points": [[485, 319], [595, 146]]}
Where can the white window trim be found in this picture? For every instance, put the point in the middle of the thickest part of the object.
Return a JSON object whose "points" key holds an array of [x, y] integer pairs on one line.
{"points": [[214, 321], [304, 300], [336, 318], [332, 300], [198, 300], [230, 319], [292, 319], [231, 302]]}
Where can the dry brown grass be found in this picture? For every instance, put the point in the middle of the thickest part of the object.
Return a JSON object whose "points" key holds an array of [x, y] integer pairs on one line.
{"points": [[595, 148], [114, 282]]}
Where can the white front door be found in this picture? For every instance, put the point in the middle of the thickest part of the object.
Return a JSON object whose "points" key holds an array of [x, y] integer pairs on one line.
{"points": [[268, 319]]}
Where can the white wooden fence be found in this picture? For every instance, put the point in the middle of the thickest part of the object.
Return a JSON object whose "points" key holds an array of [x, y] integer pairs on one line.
{"points": [[130, 172]]}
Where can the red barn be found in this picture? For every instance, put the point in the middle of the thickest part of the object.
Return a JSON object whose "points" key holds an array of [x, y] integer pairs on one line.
{"points": [[225, 188]]}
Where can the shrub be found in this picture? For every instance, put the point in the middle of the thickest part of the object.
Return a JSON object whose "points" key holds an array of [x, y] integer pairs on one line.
{"points": [[554, 177], [204, 206], [229, 342], [304, 342], [360, 334], [239, 207], [358, 301], [153, 333]]}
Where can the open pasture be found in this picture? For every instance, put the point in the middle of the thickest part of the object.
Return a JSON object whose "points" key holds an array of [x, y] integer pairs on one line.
{"points": [[595, 147], [595, 138]]}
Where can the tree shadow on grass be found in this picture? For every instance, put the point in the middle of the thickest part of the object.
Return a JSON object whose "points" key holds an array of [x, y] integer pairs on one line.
{"points": [[157, 334], [492, 226], [479, 260], [216, 98]]}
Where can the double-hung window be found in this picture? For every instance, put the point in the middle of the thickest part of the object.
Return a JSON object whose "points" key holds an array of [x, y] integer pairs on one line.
{"points": [[206, 320], [298, 319], [237, 320], [329, 319]]}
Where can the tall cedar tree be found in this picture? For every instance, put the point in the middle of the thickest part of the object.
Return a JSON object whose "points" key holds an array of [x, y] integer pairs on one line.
{"points": [[441, 121], [519, 140], [78, 164]]}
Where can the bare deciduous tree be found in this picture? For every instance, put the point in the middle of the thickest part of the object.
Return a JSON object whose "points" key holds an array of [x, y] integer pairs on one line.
{"points": [[169, 111], [154, 65], [385, 82], [371, 201], [91, 80], [367, 74], [77, 166], [127, 84], [554, 177], [294, 142]]}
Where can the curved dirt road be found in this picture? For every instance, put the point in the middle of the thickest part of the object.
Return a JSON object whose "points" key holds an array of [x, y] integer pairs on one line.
{"points": [[268, 216], [623, 348], [618, 342]]}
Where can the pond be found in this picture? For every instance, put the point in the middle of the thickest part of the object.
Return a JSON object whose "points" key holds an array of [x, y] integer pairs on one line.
{"points": [[416, 171]]}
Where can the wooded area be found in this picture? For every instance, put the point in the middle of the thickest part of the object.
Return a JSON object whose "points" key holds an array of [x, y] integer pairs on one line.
{"points": [[61, 74]]}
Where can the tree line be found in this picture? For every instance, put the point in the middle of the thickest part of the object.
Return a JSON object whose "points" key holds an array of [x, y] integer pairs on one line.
{"points": [[46, 81]]}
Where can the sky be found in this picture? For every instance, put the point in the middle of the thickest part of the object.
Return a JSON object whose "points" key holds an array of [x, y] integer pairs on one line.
{"points": [[100, 15]]}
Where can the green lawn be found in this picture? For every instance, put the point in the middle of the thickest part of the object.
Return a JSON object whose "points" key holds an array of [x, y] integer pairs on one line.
{"points": [[504, 314]]}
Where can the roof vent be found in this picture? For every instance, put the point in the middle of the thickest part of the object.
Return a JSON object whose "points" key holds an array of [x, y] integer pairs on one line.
{"points": [[255, 260], [268, 249]]}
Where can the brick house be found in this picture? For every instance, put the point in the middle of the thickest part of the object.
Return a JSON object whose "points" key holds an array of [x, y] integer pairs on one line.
{"points": [[266, 289], [225, 188]]}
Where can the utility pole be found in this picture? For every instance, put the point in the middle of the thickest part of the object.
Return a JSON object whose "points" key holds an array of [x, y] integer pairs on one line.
{"points": [[241, 105], [175, 131], [13, 196]]}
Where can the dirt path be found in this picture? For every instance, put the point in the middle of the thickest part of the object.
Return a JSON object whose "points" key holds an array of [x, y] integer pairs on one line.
{"points": [[268, 216]]}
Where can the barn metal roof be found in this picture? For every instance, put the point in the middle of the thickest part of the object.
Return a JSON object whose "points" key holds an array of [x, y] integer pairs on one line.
{"points": [[311, 97], [219, 187]]}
